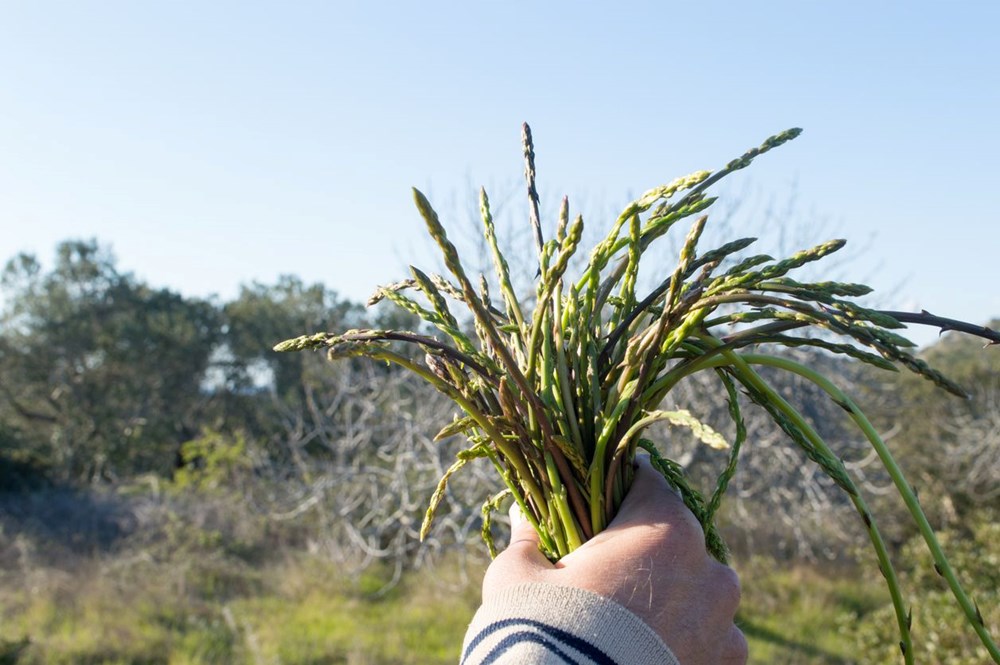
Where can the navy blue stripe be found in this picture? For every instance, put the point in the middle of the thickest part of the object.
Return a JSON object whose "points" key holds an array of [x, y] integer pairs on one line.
{"points": [[581, 645], [515, 639]]}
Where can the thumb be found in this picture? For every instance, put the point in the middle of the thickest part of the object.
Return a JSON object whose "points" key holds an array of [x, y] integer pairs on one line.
{"points": [[521, 562], [521, 531]]}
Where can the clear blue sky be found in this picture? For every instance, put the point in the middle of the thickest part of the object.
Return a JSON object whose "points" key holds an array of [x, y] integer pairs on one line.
{"points": [[214, 143]]}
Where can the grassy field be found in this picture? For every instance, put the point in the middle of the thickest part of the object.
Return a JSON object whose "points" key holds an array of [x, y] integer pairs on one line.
{"points": [[305, 610], [182, 592], [301, 611]]}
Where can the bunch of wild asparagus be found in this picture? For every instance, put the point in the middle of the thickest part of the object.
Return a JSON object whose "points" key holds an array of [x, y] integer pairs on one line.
{"points": [[556, 388]]}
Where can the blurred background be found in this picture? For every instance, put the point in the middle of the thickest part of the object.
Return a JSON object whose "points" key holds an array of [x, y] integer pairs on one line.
{"points": [[182, 185]]}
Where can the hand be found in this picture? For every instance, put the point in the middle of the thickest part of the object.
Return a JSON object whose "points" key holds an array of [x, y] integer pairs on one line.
{"points": [[652, 560]]}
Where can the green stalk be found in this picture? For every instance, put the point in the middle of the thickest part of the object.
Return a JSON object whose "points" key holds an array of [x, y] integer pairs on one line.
{"points": [[625, 447], [563, 513], [500, 265], [562, 377], [734, 452], [941, 564], [739, 365], [741, 368], [512, 454]]}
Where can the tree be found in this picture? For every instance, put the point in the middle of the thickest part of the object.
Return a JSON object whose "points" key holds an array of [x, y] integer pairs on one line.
{"points": [[253, 385], [102, 373]]}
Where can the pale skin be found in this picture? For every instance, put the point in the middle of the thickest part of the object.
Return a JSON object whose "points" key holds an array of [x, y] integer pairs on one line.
{"points": [[652, 560]]}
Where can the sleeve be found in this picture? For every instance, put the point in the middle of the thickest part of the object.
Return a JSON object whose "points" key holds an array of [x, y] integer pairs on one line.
{"points": [[544, 624]]}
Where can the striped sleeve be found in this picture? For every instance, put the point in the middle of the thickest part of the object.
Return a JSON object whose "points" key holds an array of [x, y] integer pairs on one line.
{"points": [[544, 624]]}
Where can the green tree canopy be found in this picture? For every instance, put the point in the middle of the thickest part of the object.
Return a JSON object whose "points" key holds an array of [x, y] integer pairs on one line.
{"points": [[102, 373], [263, 315]]}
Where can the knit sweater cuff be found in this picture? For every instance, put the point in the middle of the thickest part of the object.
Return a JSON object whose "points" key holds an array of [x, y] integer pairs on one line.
{"points": [[543, 623]]}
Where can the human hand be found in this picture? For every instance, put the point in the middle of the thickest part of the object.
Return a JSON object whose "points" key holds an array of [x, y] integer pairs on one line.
{"points": [[652, 560]]}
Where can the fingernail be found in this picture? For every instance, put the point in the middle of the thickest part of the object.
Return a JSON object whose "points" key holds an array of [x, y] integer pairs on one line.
{"points": [[516, 518]]}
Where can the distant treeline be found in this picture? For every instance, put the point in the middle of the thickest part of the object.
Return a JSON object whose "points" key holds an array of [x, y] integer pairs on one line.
{"points": [[105, 377]]}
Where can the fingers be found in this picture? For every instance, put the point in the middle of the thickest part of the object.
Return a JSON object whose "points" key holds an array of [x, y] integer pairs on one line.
{"points": [[735, 650], [520, 528], [722, 585], [521, 562], [722, 588]]}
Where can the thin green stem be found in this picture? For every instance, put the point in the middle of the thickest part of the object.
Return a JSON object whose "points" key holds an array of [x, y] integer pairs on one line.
{"points": [[563, 513], [510, 453], [902, 486], [740, 366]]}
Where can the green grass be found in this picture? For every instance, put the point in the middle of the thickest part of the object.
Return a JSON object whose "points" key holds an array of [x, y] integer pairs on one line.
{"points": [[307, 611], [303, 611], [192, 607], [322, 618], [793, 614]]}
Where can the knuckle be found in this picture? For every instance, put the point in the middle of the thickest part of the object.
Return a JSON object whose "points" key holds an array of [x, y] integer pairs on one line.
{"points": [[727, 583], [689, 529], [738, 651], [507, 568], [679, 537], [493, 580], [682, 529]]}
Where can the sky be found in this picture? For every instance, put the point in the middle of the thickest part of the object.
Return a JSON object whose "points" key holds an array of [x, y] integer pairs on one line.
{"points": [[214, 144]]}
